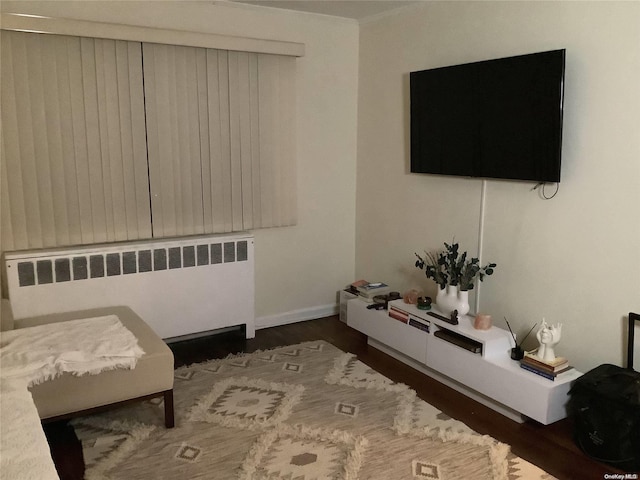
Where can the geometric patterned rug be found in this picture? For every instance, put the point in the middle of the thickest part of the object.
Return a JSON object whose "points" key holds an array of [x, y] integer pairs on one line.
{"points": [[301, 412]]}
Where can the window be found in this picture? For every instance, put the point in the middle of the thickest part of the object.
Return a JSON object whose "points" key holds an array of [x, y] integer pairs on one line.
{"points": [[109, 140]]}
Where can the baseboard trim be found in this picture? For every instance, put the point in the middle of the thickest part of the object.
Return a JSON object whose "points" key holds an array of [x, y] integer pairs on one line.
{"points": [[295, 316]]}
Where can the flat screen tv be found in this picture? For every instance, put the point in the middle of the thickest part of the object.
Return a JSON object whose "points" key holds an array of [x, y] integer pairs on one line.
{"points": [[493, 119]]}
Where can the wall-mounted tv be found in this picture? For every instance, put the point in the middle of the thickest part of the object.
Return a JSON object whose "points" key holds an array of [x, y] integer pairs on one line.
{"points": [[494, 119]]}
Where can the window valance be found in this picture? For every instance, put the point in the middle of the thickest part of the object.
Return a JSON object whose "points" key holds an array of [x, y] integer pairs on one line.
{"points": [[112, 31]]}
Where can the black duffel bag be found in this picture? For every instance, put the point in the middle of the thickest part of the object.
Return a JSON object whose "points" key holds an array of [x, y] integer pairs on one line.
{"points": [[605, 407]]}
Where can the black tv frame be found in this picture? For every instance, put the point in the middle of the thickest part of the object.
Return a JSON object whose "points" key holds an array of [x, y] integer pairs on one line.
{"points": [[499, 118]]}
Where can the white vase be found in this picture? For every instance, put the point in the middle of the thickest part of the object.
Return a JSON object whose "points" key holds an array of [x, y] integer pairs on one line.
{"points": [[463, 302], [441, 298], [450, 298]]}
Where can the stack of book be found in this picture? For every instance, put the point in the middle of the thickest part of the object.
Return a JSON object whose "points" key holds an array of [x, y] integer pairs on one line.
{"points": [[353, 288], [398, 314], [370, 290], [550, 370]]}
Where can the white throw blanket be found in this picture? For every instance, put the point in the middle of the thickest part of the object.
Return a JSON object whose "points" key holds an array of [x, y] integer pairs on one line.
{"points": [[29, 356], [79, 347]]}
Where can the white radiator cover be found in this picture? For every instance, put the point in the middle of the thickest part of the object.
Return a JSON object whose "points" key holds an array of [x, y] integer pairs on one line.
{"points": [[179, 286]]}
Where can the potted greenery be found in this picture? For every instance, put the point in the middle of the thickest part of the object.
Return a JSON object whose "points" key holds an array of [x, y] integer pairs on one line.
{"points": [[455, 273]]}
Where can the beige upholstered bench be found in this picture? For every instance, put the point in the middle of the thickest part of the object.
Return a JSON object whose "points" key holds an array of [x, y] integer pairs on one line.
{"points": [[68, 396]]}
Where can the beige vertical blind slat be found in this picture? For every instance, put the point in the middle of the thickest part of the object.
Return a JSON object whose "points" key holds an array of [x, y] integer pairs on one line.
{"points": [[236, 101], [123, 181], [223, 161], [205, 141], [177, 125], [255, 142], [268, 125], [277, 134], [69, 142], [179, 121], [288, 170], [195, 174], [216, 68], [244, 123], [170, 187]]}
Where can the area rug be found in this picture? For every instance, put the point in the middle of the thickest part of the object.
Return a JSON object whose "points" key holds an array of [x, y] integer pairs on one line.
{"points": [[301, 412]]}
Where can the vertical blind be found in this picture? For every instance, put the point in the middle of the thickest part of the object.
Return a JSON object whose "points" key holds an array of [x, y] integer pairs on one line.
{"points": [[74, 166], [229, 117], [107, 140]]}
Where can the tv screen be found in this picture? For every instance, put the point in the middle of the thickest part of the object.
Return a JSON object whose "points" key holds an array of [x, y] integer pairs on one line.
{"points": [[494, 119]]}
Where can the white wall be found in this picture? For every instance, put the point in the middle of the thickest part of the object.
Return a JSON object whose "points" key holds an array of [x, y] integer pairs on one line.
{"points": [[298, 269], [574, 259]]}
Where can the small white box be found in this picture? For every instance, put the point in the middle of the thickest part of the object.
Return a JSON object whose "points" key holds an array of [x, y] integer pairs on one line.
{"points": [[344, 298]]}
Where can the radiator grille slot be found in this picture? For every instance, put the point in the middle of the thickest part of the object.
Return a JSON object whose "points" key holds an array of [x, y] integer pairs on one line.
{"points": [[243, 252], [129, 263], [26, 274], [203, 254], [63, 270], [45, 272], [216, 253], [113, 264], [159, 259], [77, 267], [144, 261], [96, 265], [189, 256], [229, 252], [175, 259]]}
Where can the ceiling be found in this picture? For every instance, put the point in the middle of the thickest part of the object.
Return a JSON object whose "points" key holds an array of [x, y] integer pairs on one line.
{"points": [[355, 9]]}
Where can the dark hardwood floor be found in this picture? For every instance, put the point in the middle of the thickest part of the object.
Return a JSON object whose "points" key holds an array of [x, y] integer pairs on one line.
{"points": [[550, 447]]}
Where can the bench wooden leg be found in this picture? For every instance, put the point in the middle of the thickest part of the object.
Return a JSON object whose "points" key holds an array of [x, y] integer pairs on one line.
{"points": [[169, 421]]}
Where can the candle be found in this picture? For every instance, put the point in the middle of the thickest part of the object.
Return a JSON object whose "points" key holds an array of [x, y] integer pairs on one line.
{"points": [[482, 322]]}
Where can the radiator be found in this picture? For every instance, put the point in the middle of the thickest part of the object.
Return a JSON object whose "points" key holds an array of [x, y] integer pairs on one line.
{"points": [[179, 286]]}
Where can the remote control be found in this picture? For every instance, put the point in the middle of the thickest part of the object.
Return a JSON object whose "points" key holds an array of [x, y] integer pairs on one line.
{"points": [[376, 306]]}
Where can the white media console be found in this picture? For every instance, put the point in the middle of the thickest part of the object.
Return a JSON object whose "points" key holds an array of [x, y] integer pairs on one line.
{"points": [[481, 369]]}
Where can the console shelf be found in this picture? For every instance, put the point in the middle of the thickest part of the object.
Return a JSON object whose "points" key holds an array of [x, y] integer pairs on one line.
{"points": [[474, 362]]}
